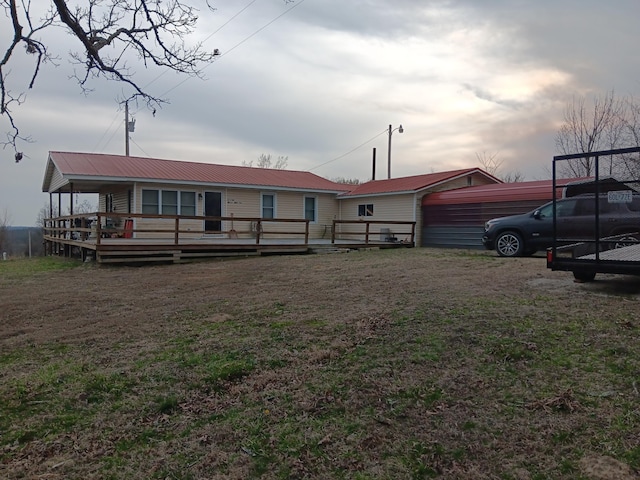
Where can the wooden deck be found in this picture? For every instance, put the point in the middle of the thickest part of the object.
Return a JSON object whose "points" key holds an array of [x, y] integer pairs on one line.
{"points": [[71, 236]]}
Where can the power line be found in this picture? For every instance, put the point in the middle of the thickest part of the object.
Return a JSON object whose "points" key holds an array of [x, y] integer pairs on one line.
{"points": [[295, 5], [134, 142], [349, 152], [210, 35], [300, 2], [106, 131]]}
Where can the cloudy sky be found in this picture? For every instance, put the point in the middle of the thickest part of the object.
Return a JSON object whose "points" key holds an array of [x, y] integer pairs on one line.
{"points": [[320, 81]]}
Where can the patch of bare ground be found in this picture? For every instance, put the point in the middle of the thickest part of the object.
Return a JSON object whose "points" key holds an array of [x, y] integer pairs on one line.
{"points": [[411, 363]]}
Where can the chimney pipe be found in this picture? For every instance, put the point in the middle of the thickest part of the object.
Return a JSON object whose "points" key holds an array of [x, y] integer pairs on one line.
{"points": [[373, 175]]}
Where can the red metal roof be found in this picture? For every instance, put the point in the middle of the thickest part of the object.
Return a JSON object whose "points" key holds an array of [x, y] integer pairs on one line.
{"points": [[95, 166], [502, 192], [411, 184]]}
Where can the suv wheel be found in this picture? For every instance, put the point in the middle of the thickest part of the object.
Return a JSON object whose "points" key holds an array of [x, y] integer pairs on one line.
{"points": [[509, 244], [626, 240]]}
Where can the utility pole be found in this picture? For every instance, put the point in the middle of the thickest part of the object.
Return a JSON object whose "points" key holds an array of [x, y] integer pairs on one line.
{"points": [[126, 128], [129, 127], [391, 130]]}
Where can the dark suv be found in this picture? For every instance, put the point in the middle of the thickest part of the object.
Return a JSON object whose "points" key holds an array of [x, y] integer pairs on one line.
{"points": [[525, 234]]}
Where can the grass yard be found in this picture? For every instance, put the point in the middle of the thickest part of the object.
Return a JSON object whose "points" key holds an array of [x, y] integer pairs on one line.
{"points": [[394, 364]]}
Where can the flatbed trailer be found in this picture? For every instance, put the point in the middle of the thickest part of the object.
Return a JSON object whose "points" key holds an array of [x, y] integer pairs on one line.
{"points": [[616, 254]]}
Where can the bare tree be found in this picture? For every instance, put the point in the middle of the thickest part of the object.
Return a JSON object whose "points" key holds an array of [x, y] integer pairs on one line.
{"points": [[347, 181], [155, 31], [5, 222], [44, 214], [587, 128], [512, 177], [630, 164], [491, 164], [265, 161]]}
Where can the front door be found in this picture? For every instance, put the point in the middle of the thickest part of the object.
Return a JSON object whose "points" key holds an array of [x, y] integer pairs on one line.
{"points": [[212, 208]]}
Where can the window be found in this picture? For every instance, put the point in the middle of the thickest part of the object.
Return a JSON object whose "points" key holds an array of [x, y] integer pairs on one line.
{"points": [[268, 205], [169, 202], [150, 203], [310, 208], [109, 205], [188, 203], [365, 210]]}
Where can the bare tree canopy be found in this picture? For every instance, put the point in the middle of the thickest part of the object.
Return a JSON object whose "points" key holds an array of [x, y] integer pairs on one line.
{"points": [[265, 161], [493, 165], [347, 181], [604, 122], [155, 31]]}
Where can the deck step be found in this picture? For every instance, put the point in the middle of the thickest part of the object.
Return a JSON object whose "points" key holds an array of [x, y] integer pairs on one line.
{"points": [[322, 250]]}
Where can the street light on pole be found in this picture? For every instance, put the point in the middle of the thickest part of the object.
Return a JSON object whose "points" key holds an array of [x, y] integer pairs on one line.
{"points": [[391, 130]]}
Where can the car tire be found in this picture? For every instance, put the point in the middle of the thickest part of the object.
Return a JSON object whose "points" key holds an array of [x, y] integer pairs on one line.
{"points": [[509, 244], [584, 276], [627, 240]]}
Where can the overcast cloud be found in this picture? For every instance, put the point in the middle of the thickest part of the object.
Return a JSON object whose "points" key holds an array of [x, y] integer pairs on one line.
{"points": [[462, 77]]}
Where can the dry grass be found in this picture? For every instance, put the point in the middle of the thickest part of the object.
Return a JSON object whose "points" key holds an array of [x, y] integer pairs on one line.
{"points": [[413, 363]]}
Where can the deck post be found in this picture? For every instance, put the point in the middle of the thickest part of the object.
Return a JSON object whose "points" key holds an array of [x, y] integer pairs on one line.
{"points": [[177, 230], [98, 228]]}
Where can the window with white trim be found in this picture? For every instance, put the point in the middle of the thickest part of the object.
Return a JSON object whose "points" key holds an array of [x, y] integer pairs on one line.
{"points": [[365, 210], [188, 203], [310, 209], [168, 202], [150, 204], [268, 207]]}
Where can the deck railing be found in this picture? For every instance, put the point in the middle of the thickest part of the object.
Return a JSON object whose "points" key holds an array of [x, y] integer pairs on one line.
{"points": [[100, 225], [95, 227], [374, 230]]}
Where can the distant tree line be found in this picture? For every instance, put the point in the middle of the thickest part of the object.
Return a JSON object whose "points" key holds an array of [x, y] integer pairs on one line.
{"points": [[21, 241]]}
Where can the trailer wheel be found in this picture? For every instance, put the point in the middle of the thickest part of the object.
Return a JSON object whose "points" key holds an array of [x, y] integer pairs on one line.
{"points": [[509, 244], [584, 276]]}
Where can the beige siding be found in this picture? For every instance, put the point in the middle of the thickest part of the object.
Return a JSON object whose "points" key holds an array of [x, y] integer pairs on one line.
{"points": [[466, 181], [119, 204], [57, 180], [244, 203], [290, 205], [385, 207]]}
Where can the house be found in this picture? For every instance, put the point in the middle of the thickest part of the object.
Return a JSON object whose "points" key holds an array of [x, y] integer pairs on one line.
{"points": [[401, 198], [165, 187], [144, 198]]}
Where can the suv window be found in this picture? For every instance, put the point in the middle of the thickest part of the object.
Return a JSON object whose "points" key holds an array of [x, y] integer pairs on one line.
{"points": [[566, 208], [546, 211], [587, 206]]}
